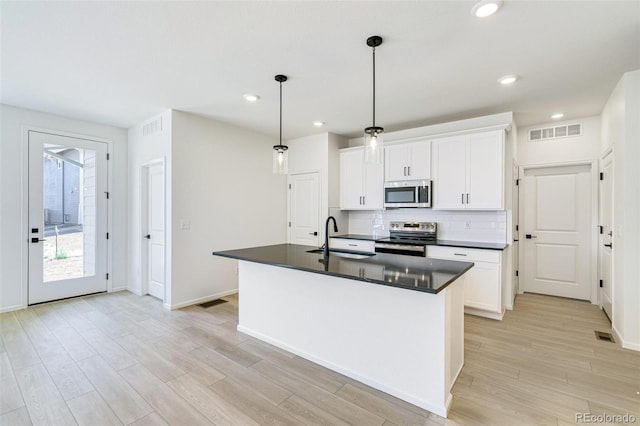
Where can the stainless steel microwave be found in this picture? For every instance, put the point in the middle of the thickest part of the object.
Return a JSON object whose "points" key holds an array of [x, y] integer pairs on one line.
{"points": [[410, 193]]}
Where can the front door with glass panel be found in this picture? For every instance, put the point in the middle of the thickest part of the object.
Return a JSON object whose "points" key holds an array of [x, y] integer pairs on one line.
{"points": [[67, 217]]}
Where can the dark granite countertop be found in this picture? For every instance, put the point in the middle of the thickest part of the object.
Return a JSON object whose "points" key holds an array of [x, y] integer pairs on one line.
{"points": [[445, 243], [408, 272]]}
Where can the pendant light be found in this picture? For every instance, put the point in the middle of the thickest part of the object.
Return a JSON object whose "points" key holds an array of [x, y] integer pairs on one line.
{"points": [[373, 149], [280, 151]]}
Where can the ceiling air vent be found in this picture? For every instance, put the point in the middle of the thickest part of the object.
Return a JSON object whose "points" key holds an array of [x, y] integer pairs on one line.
{"points": [[555, 132], [153, 126]]}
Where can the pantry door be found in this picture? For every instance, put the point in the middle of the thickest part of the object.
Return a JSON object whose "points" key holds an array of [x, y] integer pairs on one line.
{"points": [[67, 231], [304, 226], [556, 234]]}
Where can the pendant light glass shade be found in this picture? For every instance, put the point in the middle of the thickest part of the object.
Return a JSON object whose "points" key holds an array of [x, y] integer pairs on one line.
{"points": [[373, 136], [280, 151], [373, 145], [280, 159]]}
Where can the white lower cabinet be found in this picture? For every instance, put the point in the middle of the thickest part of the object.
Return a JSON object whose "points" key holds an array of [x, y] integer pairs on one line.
{"points": [[483, 283], [365, 246]]}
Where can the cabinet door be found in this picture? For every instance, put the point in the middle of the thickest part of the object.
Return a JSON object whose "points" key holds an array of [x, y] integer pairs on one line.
{"points": [[420, 161], [396, 162], [483, 287], [351, 175], [485, 182], [374, 187], [449, 179]]}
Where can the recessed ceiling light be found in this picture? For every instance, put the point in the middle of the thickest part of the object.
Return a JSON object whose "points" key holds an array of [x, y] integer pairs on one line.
{"points": [[485, 8], [249, 97], [508, 79], [557, 116], [318, 123]]}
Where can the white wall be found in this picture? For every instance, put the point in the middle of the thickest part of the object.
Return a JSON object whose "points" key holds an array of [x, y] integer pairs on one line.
{"points": [[223, 185], [621, 131], [142, 150], [576, 148], [320, 153], [13, 197]]}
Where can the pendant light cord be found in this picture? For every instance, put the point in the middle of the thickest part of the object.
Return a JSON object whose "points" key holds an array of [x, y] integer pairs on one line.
{"points": [[374, 86], [280, 113]]}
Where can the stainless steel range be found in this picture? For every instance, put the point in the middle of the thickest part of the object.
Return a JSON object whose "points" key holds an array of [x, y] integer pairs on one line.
{"points": [[408, 238]]}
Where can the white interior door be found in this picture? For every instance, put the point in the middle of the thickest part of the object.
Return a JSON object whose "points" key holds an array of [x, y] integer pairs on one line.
{"points": [[304, 209], [556, 231], [606, 238], [155, 215], [67, 217]]}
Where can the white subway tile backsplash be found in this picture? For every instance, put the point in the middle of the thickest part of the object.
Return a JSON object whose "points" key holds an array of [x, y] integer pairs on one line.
{"points": [[490, 226]]}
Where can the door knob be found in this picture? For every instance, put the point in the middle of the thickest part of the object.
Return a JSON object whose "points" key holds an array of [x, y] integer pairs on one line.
{"points": [[148, 236], [36, 240], [313, 233], [529, 236], [609, 245]]}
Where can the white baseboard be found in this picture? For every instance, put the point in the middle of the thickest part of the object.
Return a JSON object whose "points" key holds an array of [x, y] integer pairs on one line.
{"points": [[135, 290], [439, 410], [200, 300], [625, 344], [12, 308], [486, 314], [115, 289]]}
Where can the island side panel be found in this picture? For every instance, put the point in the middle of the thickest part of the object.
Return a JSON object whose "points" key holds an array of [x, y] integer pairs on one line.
{"points": [[389, 338], [454, 331]]}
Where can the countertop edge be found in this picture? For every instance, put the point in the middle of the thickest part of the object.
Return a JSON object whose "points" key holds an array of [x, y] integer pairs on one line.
{"points": [[350, 277]]}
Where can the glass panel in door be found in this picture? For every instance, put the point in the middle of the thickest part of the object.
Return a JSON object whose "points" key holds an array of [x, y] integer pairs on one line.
{"points": [[69, 198]]}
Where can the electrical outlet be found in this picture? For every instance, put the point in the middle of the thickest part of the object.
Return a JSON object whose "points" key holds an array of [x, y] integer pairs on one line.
{"points": [[185, 225]]}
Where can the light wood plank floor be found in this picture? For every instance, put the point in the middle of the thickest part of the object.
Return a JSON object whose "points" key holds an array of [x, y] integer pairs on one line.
{"points": [[116, 359]]}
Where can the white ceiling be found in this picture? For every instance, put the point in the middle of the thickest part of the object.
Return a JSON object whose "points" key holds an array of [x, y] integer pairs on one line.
{"points": [[120, 63]]}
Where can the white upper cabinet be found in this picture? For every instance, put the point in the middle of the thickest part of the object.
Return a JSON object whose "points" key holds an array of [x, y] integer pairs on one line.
{"points": [[408, 161], [469, 172], [361, 186], [485, 175]]}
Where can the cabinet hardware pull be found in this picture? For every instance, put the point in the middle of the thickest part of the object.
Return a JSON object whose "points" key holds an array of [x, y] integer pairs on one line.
{"points": [[404, 171], [459, 254], [461, 198], [353, 245], [364, 200], [408, 170], [467, 198]]}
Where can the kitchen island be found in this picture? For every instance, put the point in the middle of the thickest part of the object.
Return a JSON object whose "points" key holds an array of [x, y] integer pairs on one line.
{"points": [[395, 323]]}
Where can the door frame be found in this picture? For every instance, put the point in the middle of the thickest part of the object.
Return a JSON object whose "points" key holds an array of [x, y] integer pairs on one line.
{"points": [[606, 157], [24, 178], [144, 217], [593, 258], [320, 205]]}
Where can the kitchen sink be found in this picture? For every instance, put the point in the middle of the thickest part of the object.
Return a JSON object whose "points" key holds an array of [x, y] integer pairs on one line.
{"points": [[349, 255]]}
